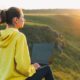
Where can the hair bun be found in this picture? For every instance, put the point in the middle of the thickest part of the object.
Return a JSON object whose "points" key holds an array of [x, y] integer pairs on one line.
{"points": [[3, 16]]}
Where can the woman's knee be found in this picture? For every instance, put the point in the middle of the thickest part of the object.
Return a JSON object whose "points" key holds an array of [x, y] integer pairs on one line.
{"points": [[47, 68]]}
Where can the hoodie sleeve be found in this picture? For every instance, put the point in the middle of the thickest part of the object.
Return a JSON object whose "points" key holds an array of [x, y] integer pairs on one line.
{"points": [[22, 57]]}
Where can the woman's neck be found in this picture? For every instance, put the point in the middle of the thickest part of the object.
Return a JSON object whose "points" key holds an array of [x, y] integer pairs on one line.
{"points": [[10, 26]]}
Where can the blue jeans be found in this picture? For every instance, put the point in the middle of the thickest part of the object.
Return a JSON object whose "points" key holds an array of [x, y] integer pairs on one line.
{"points": [[43, 72]]}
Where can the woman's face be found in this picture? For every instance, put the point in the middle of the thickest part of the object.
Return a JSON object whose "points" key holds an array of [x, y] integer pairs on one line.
{"points": [[20, 21]]}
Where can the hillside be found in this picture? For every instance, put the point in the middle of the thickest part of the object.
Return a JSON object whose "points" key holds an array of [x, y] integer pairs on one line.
{"points": [[68, 25], [66, 63]]}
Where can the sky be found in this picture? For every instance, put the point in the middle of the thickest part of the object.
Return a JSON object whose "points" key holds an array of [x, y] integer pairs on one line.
{"points": [[41, 4]]}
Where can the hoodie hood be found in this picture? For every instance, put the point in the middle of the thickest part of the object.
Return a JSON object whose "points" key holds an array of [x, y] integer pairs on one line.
{"points": [[6, 36]]}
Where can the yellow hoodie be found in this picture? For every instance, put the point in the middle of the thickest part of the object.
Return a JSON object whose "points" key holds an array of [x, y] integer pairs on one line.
{"points": [[15, 61]]}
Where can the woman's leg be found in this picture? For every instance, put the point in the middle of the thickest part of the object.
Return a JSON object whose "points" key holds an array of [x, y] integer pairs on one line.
{"points": [[43, 72]]}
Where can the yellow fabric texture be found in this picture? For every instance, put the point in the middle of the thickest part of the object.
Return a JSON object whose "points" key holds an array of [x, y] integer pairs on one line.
{"points": [[15, 63]]}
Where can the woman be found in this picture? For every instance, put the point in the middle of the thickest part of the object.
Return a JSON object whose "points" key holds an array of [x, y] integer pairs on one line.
{"points": [[15, 63]]}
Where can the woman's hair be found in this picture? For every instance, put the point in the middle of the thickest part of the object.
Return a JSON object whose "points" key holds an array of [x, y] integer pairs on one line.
{"points": [[6, 16]]}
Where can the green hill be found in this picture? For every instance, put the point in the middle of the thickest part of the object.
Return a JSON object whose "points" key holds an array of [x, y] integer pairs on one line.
{"points": [[66, 63], [68, 25]]}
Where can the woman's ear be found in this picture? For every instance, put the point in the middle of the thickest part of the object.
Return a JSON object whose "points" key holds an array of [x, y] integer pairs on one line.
{"points": [[15, 20]]}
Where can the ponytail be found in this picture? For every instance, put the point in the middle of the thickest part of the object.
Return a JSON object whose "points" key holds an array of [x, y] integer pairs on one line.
{"points": [[3, 16]]}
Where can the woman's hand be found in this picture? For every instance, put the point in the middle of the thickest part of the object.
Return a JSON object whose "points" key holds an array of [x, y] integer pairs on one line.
{"points": [[36, 65]]}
